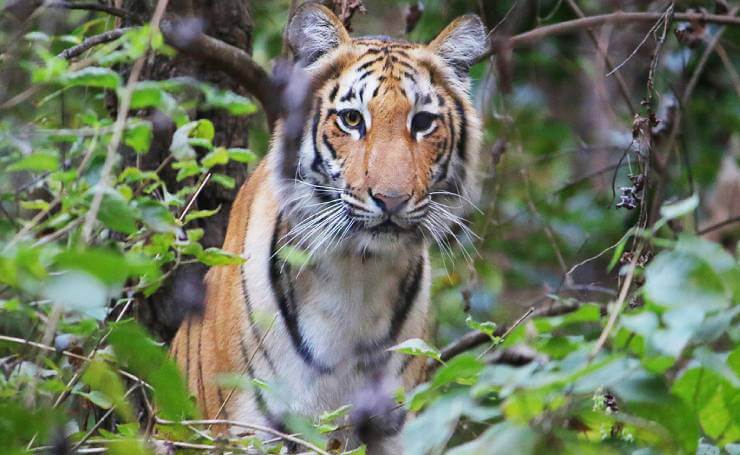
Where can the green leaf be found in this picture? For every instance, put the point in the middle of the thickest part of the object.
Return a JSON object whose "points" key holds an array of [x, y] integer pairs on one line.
{"points": [[37, 204], [197, 214], [203, 130], [187, 168], [180, 146], [156, 216], [38, 161], [106, 265], [216, 157], [93, 76], [146, 94], [680, 208], [216, 256], [505, 437], [417, 347], [117, 213], [429, 431], [235, 104], [138, 135], [487, 327], [241, 155], [224, 180], [462, 369], [98, 398], [102, 379], [79, 292], [678, 278]]}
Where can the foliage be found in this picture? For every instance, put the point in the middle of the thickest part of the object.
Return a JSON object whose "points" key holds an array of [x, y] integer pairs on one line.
{"points": [[636, 349]]}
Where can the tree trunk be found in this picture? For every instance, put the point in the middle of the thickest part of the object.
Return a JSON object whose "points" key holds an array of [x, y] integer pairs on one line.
{"points": [[229, 21]]}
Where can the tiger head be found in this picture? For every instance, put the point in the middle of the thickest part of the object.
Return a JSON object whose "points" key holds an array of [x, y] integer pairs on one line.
{"points": [[389, 151]]}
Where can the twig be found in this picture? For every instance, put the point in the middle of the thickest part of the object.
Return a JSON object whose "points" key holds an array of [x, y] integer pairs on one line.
{"points": [[93, 41], [194, 197], [714, 227], [664, 20], [729, 67], [248, 426], [619, 305], [703, 61]]}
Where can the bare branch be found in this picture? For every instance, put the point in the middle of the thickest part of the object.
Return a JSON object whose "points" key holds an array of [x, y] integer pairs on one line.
{"points": [[93, 41], [113, 11], [248, 426], [721, 224], [475, 338], [619, 17]]}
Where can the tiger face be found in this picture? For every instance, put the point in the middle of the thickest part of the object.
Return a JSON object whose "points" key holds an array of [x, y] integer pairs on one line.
{"points": [[390, 150]]}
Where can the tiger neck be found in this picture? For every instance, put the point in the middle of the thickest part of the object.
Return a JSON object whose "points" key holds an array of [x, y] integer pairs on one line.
{"points": [[359, 302]]}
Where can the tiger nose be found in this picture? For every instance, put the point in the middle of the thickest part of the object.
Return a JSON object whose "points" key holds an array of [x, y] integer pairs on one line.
{"points": [[390, 203]]}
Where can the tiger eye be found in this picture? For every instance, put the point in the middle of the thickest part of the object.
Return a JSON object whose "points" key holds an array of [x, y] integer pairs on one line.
{"points": [[422, 121], [351, 118]]}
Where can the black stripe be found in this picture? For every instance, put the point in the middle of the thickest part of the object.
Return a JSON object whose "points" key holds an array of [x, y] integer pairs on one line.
{"points": [[258, 398], [329, 146], [408, 291], [284, 294], [187, 353], [405, 64], [333, 93], [368, 64], [222, 402], [317, 164], [462, 140], [201, 386], [362, 93], [350, 94], [448, 153], [364, 75], [256, 333]]}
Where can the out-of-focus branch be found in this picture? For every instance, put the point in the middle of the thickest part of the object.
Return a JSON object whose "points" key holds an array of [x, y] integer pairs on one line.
{"points": [[93, 41], [112, 10], [619, 17], [232, 60], [621, 84], [475, 338]]}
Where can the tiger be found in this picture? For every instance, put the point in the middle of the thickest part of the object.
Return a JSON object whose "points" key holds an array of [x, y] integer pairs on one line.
{"points": [[336, 235]]}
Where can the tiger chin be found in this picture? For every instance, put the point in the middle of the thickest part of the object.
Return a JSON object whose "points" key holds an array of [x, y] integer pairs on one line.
{"points": [[386, 168]]}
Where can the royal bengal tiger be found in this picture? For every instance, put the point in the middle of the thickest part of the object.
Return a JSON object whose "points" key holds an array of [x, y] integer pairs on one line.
{"points": [[387, 160]]}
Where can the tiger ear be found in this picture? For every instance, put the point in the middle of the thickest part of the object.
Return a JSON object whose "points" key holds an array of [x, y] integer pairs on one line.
{"points": [[313, 31], [461, 43]]}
